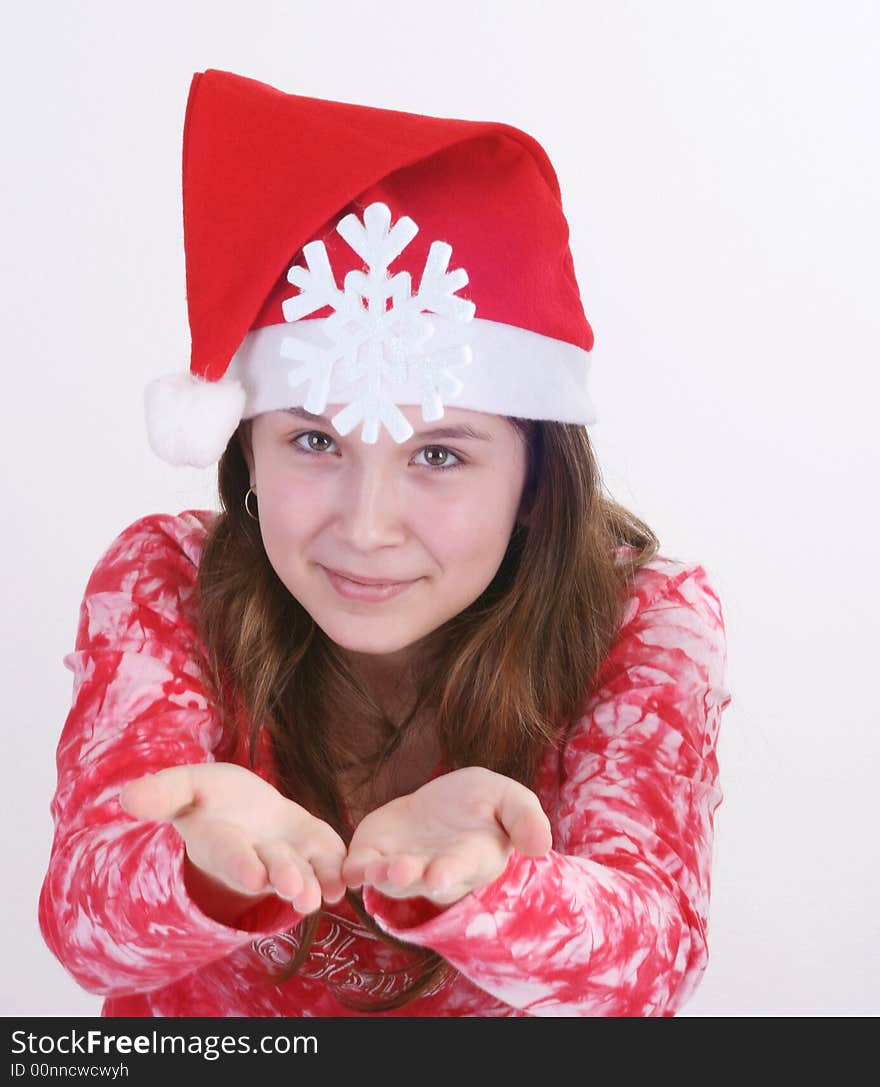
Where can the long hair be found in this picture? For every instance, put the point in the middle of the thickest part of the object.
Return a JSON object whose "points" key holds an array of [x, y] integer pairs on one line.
{"points": [[500, 680]]}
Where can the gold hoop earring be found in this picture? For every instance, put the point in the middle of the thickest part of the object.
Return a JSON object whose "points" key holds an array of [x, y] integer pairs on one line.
{"points": [[252, 491]]}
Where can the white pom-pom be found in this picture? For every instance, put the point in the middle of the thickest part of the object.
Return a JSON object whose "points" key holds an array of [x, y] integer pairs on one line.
{"points": [[190, 420]]}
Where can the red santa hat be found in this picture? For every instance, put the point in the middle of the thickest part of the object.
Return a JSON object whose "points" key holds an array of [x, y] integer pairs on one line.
{"points": [[369, 258]]}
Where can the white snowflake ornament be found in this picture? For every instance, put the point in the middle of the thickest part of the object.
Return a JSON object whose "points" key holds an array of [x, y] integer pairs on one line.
{"points": [[372, 344]]}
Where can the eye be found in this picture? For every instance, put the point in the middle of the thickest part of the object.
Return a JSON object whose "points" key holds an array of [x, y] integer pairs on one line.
{"points": [[437, 456], [432, 451], [310, 434]]}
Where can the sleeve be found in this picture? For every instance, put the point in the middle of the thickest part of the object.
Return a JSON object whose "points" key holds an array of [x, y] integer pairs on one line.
{"points": [[113, 906], [613, 920]]}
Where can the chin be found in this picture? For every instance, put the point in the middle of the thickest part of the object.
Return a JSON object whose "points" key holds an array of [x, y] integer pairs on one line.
{"points": [[366, 641]]}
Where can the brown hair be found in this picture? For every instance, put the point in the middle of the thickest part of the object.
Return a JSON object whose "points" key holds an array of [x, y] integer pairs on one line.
{"points": [[500, 679]]}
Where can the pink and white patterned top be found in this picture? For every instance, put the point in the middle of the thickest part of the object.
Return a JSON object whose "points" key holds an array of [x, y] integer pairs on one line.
{"points": [[612, 922]]}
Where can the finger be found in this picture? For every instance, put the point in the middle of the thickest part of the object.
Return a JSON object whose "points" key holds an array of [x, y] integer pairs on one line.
{"points": [[328, 871], [524, 820], [376, 872], [354, 866], [164, 795], [294, 869], [445, 871], [405, 869], [224, 851], [284, 868]]}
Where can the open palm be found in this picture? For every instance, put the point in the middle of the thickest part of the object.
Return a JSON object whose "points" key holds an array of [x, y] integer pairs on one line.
{"points": [[451, 836], [241, 831]]}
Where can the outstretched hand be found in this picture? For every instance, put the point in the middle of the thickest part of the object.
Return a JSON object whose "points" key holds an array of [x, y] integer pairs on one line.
{"points": [[451, 836], [242, 832]]}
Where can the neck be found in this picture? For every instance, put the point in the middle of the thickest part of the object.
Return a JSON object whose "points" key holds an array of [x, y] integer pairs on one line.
{"points": [[387, 677]]}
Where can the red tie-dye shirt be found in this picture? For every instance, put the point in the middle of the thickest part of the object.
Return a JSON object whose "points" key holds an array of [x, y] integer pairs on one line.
{"points": [[611, 922]]}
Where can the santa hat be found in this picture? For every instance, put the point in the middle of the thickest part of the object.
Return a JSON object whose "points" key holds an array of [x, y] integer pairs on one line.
{"points": [[348, 255]]}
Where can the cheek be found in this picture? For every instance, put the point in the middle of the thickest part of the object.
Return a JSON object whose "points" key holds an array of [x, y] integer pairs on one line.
{"points": [[289, 499], [471, 530], [285, 522]]}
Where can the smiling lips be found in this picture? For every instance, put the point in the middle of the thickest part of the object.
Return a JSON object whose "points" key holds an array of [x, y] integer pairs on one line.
{"points": [[367, 580], [371, 592]]}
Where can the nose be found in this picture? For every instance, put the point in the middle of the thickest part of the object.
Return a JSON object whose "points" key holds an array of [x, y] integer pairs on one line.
{"points": [[370, 514]]}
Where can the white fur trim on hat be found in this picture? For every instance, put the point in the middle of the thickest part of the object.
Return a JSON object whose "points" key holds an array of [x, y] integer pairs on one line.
{"points": [[510, 371], [190, 420]]}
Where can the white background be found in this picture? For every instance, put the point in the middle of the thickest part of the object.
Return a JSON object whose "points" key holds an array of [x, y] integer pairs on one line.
{"points": [[719, 167]]}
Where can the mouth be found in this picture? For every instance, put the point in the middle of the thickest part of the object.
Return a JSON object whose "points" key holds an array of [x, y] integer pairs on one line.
{"points": [[373, 592], [377, 581]]}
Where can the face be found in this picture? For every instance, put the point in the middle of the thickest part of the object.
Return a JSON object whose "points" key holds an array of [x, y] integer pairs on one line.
{"points": [[435, 512]]}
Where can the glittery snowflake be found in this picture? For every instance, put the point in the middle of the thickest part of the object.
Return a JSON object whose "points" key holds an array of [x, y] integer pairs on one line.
{"points": [[386, 347]]}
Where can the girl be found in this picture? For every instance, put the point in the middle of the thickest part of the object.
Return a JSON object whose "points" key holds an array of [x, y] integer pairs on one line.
{"points": [[420, 723]]}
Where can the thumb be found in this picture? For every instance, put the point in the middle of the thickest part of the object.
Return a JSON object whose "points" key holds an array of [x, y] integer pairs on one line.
{"points": [[524, 820], [164, 795]]}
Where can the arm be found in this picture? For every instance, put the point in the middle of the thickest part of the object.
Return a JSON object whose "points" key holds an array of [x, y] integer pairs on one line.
{"points": [[612, 921], [118, 907]]}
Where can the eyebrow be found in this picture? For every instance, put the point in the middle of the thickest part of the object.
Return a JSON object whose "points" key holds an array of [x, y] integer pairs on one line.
{"points": [[458, 430]]}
